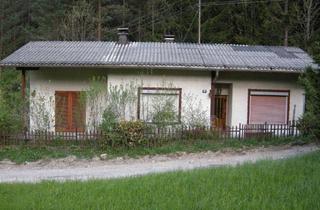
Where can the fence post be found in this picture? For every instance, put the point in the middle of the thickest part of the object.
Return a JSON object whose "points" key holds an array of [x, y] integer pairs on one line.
{"points": [[239, 137]]}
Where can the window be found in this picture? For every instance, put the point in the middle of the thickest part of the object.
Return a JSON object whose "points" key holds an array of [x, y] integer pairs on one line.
{"points": [[268, 106], [70, 112], [159, 105]]}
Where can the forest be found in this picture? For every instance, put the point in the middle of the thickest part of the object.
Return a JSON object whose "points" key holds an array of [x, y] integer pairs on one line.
{"points": [[265, 22], [261, 22]]}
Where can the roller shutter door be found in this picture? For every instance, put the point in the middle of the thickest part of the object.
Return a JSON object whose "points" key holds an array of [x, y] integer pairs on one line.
{"points": [[272, 109]]}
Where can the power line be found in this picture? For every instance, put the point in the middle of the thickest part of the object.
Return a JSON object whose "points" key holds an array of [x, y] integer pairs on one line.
{"points": [[143, 18], [159, 18], [235, 2], [146, 20]]}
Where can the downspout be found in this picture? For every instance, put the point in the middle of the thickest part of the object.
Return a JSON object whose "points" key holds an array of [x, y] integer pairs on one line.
{"points": [[214, 78]]}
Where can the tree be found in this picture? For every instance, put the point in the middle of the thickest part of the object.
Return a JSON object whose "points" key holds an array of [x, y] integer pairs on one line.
{"points": [[310, 122], [79, 23]]}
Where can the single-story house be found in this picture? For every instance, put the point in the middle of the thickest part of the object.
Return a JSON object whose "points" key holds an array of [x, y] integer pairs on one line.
{"points": [[227, 84]]}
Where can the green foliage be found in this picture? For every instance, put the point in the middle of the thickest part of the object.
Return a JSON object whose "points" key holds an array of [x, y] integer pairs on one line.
{"points": [[310, 122], [164, 112], [8, 122], [78, 23], [109, 121], [253, 23], [120, 97], [131, 132], [94, 97], [11, 104], [59, 148], [194, 113]]}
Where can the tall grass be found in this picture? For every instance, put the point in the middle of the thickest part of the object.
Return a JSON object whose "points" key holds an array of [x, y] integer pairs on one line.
{"points": [[284, 184]]}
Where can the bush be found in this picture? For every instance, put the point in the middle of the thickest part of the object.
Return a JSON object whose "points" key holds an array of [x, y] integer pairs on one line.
{"points": [[109, 121], [309, 124], [9, 121], [131, 132]]}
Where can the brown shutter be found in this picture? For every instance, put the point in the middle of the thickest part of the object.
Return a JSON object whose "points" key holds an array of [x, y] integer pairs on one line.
{"points": [[268, 109], [70, 111], [78, 111], [61, 111]]}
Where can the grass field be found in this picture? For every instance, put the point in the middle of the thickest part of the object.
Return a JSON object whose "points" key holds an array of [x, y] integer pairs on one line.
{"points": [[24, 153], [284, 184]]}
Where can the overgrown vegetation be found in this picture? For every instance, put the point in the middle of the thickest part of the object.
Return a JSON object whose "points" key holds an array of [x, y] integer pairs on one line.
{"points": [[310, 121], [258, 22], [11, 104], [281, 184], [59, 149]]}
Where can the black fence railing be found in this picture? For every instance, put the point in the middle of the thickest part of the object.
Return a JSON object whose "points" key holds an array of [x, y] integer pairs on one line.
{"points": [[157, 134]]}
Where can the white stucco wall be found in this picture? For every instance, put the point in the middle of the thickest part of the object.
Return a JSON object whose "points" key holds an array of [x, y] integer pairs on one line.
{"points": [[45, 82], [242, 82], [195, 86]]}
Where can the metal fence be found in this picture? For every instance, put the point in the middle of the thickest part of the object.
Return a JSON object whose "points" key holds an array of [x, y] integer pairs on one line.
{"points": [[157, 134]]}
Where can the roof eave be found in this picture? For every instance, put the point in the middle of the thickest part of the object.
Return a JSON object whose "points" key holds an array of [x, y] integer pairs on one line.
{"points": [[168, 67]]}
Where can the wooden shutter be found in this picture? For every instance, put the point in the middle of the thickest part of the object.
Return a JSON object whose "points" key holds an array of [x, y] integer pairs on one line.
{"points": [[61, 111], [70, 111], [268, 109], [78, 112]]}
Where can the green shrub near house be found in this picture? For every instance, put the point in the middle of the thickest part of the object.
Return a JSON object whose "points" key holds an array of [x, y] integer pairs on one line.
{"points": [[309, 124]]}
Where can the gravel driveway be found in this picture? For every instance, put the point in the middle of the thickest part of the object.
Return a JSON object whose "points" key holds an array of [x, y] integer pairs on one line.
{"points": [[71, 168]]}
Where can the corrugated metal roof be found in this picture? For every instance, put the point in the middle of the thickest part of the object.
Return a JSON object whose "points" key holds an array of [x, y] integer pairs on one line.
{"points": [[160, 55]]}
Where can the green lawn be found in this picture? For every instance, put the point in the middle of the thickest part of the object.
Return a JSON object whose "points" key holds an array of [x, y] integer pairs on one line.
{"points": [[284, 184], [24, 153]]}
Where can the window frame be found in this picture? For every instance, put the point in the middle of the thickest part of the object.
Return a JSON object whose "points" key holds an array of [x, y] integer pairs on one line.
{"points": [[268, 92], [69, 116], [140, 93]]}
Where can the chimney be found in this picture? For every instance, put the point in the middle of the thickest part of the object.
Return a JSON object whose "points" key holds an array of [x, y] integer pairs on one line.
{"points": [[169, 38], [123, 35]]}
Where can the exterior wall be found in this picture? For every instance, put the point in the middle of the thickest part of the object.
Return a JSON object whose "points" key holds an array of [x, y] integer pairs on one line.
{"points": [[242, 82], [195, 89]]}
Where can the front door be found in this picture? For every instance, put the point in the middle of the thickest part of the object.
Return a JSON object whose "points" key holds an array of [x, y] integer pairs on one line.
{"points": [[220, 111]]}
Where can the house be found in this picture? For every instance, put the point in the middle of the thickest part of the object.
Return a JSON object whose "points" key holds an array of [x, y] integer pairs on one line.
{"points": [[224, 83]]}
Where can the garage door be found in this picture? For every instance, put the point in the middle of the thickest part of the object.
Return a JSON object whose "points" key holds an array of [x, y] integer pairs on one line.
{"points": [[268, 107]]}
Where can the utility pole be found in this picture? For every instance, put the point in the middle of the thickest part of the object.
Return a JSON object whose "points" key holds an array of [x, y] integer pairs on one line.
{"points": [[152, 19], [286, 23], [99, 21], [199, 22]]}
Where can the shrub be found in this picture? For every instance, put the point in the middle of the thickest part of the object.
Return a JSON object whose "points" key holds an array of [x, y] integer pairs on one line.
{"points": [[132, 132], [164, 111], [109, 121], [309, 124], [9, 120]]}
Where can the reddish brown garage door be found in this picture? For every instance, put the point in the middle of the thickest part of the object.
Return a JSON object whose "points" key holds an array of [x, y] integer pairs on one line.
{"points": [[268, 107]]}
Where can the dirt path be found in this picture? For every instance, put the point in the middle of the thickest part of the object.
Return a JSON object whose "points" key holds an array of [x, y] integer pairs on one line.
{"points": [[71, 168]]}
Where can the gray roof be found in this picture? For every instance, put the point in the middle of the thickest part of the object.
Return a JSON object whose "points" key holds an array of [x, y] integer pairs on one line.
{"points": [[160, 55]]}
